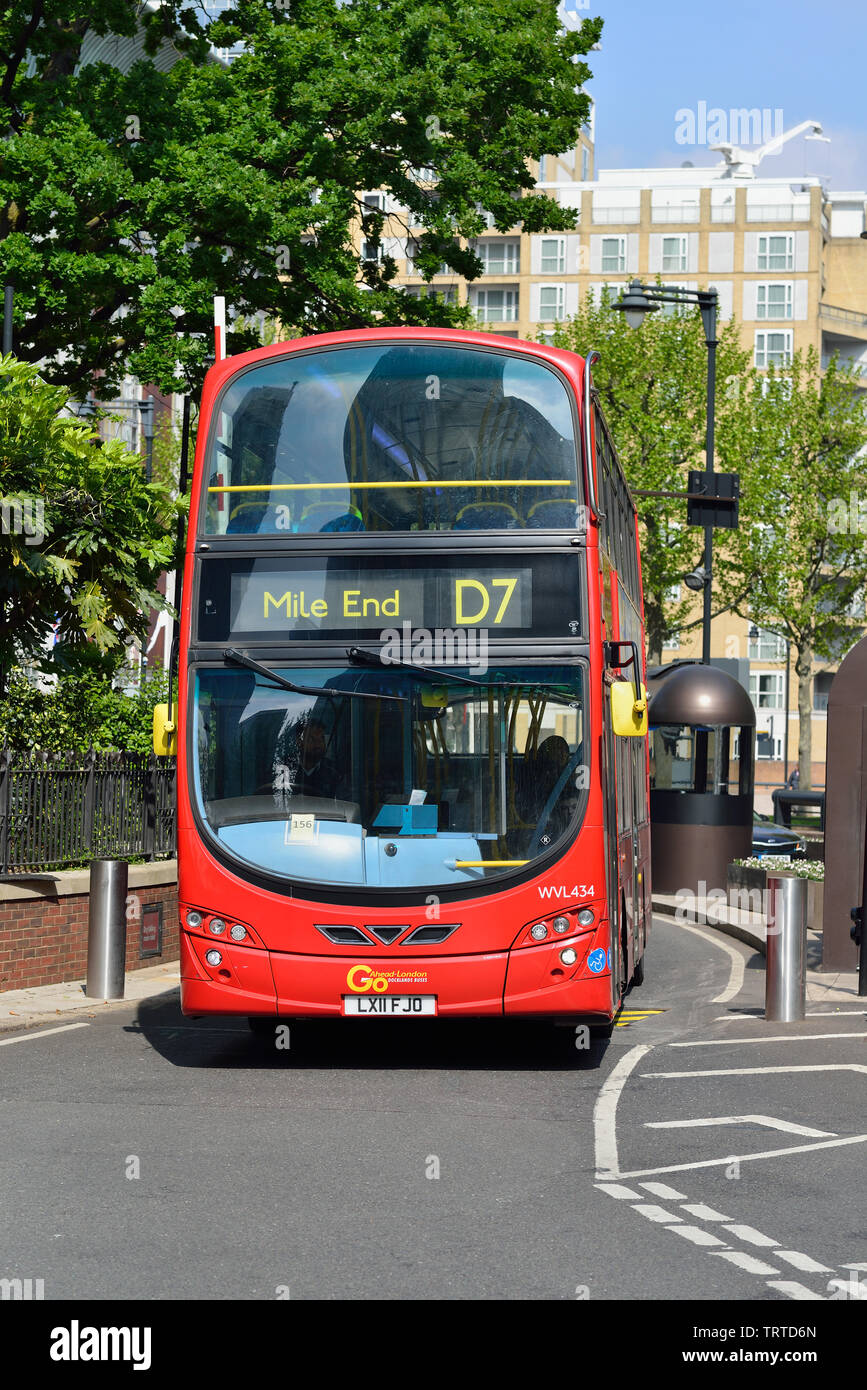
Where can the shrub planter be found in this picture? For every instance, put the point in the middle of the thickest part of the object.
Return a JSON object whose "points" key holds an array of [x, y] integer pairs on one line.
{"points": [[741, 877]]}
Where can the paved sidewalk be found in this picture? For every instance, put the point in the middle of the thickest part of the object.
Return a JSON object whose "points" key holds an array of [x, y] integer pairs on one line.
{"points": [[22, 1008], [751, 928]]}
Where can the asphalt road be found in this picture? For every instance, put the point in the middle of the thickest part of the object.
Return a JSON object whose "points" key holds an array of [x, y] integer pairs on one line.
{"points": [[144, 1156]]}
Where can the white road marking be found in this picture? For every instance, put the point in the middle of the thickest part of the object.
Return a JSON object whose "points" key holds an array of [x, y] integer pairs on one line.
{"points": [[654, 1213], [701, 1212], [759, 1071], [812, 1013], [743, 1158], [738, 964], [802, 1262], [780, 1037], [616, 1189], [660, 1189], [695, 1234], [605, 1112], [794, 1290], [767, 1120], [751, 1235], [849, 1266], [46, 1033], [745, 1261]]}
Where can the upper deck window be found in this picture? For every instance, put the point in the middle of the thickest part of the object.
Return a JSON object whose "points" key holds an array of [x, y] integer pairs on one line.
{"points": [[408, 437]]}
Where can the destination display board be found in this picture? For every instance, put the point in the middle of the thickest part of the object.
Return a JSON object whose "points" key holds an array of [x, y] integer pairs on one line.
{"points": [[275, 599]]}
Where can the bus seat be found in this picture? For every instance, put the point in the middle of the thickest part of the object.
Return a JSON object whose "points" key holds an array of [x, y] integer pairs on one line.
{"points": [[487, 516], [553, 511], [247, 517], [329, 516]]}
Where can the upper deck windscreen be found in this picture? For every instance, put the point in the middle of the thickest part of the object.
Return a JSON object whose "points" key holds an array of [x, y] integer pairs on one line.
{"points": [[408, 437]]}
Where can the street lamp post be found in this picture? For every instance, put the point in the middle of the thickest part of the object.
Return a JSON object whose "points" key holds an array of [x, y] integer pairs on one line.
{"points": [[642, 299]]}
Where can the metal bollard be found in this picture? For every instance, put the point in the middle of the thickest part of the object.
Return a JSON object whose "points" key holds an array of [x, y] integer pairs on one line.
{"points": [[106, 929], [786, 959]]}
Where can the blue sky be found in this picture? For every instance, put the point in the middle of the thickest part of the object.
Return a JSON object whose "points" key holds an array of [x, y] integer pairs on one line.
{"points": [[806, 59]]}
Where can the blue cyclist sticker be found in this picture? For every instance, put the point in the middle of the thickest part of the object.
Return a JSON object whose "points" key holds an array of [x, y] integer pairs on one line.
{"points": [[596, 961]]}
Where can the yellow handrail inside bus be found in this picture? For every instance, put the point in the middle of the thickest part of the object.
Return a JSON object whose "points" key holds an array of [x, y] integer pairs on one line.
{"points": [[486, 863], [427, 482]]}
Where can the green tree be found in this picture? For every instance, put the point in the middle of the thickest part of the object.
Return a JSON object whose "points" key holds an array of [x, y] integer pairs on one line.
{"points": [[797, 565], [652, 385], [85, 537], [82, 711], [129, 199]]}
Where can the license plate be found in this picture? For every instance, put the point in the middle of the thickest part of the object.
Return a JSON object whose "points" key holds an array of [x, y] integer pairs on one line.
{"points": [[390, 1005]]}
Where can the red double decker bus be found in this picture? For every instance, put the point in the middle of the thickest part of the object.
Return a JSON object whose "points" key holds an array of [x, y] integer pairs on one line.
{"points": [[411, 724]]}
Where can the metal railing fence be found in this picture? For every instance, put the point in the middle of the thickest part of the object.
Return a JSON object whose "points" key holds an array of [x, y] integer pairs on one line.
{"points": [[58, 810]]}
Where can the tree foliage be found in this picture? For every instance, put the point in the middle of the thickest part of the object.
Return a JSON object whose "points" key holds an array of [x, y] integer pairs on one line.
{"points": [[798, 564], [85, 537], [652, 385], [82, 711], [129, 199]]}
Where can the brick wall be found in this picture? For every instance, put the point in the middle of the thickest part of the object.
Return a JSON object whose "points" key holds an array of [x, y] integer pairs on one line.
{"points": [[43, 935]]}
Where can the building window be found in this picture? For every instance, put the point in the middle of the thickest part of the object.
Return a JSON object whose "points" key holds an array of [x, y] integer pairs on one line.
{"points": [[495, 306], [374, 201], [371, 251], [675, 253], [412, 266], [499, 257], [543, 160], [822, 689], [552, 303], [777, 252], [553, 260], [585, 163], [614, 253], [765, 646], [774, 349], [768, 748], [774, 301], [766, 689]]}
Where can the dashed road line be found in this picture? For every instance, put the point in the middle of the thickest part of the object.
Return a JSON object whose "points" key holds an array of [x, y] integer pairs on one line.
{"points": [[616, 1189], [654, 1213], [795, 1290], [746, 1262], [661, 1189], [702, 1212], [696, 1234], [751, 1235], [802, 1262]]}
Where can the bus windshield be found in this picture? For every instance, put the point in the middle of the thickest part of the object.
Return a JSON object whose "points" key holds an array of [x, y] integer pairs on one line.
{"points": [[449, 784], [416, 437]]}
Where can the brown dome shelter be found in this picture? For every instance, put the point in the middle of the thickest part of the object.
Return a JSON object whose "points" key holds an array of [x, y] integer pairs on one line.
{"points": [[702, 750]]}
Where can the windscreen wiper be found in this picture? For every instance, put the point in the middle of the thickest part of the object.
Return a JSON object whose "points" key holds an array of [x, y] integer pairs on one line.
{"points": [[359, 657], [242, 659]]}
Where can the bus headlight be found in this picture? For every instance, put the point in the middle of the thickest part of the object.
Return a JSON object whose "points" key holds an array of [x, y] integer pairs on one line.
{"points": [[562, 924], [585, 917], [539, 932], [217, 926], [569, 955], [213, 958], [237, 932], [194, 919]]}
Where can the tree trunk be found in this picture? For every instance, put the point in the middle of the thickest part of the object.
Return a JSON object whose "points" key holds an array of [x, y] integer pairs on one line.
{"points": [[804, 672]]}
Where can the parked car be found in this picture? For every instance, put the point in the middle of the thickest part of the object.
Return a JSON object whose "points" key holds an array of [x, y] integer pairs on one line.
{"points": [[770, 838]]}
